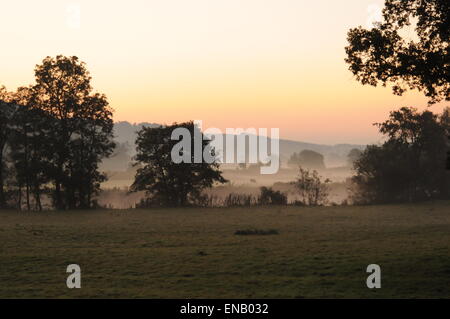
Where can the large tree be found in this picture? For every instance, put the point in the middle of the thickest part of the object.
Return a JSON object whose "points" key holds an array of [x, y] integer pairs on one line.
{"points": [[410, 165], [83, 131], [388, 54], [169, 182]]}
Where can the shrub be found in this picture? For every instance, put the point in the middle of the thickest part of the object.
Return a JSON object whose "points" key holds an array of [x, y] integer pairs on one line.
{"points": [[270, 197], [313, 191]]}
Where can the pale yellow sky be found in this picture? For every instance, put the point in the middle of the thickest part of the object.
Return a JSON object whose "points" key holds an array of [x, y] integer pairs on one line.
{"points": [[230, 63]]}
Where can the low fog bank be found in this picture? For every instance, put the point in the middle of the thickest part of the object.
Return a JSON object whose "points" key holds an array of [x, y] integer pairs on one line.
{"points": [[125, 136], [115, 193]]}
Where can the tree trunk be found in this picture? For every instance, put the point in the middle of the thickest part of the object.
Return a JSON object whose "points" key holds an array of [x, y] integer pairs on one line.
{"points": [[27, 192], [19, 200], [2, 191], [58, 203], [37, 197]]}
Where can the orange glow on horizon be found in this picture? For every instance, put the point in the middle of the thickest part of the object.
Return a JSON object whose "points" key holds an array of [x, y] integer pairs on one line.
{"points": [[272, 63]]}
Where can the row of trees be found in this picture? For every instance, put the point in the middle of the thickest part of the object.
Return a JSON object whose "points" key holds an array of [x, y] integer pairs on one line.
{"points": [[53, 135], [409, 166], [313, 160]]}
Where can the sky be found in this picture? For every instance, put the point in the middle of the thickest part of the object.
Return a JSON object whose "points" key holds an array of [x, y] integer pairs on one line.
{"points": [[230, 63]]}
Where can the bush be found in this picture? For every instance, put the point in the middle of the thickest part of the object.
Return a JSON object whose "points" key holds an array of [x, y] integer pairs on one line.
{"points": [[270, 197], [313, 191]]}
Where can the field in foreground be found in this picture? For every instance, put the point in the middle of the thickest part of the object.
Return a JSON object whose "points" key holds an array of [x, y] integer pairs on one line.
{"points": [[319, 252]]}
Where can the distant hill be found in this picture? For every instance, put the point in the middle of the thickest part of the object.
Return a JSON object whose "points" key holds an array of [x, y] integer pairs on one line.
{"points": [[126, 132], [125, 136]]}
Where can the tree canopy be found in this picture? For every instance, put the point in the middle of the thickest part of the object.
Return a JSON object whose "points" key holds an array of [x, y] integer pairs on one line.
{"points": [[386, 54], [410, 165], [166, 182], [58, 131]]}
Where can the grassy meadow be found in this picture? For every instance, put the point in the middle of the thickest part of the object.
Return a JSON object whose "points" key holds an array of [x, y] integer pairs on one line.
{"points": [[319, 252]]}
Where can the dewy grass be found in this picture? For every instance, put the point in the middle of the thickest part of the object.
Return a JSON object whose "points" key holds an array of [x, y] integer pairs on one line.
{"points": [[320, 252]]}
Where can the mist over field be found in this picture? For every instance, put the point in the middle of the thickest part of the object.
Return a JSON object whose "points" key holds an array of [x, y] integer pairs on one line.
{"points": [[121, 174], [125, 134]]}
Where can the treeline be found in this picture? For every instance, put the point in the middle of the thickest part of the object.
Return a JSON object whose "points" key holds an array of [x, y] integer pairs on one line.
{"points": [[411, 165], [53, 135]]}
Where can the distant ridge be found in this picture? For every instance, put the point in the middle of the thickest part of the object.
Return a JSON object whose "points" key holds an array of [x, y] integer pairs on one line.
{"points": [[125, 133]]}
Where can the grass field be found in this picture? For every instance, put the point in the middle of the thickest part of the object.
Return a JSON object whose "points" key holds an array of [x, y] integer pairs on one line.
{"points": [[318, 252]]}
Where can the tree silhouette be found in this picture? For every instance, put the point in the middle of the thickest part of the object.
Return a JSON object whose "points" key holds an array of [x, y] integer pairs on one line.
{"points": [[410, 165], [168, 183], [268, 196], [82, 133], [384, 54]]}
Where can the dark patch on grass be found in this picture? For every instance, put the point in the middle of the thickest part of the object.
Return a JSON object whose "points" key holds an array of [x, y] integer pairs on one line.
{"points": [[257, 232]]}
